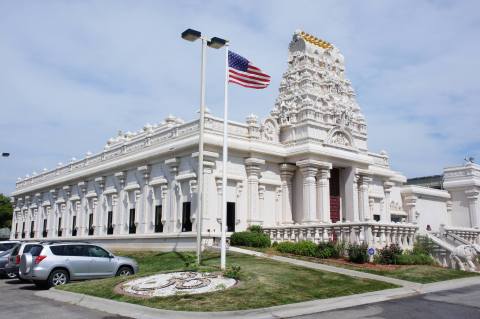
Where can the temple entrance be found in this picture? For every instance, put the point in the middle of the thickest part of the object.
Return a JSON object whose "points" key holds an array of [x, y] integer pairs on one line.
{"points": [[335, 195]]}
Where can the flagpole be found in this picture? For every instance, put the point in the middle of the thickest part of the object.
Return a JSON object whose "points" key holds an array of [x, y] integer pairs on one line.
{"points": [[223, 242]]}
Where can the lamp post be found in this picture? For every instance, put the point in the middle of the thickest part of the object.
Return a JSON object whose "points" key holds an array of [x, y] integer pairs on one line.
{"points": [[216, 43]]}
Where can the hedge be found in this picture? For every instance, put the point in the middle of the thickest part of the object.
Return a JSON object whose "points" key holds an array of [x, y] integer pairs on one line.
{"points": [[250, 239]]}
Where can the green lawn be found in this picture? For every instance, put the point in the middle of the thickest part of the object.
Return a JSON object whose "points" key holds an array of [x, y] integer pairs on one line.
{"points": [[416, 273], [263, 283]]}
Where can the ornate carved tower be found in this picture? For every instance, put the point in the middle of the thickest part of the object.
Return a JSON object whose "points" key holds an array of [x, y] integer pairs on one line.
{"points": [[316, 102]]}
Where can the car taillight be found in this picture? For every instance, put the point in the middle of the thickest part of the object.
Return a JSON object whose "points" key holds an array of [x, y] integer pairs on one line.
{"points": [[17, 260], [38, 259]]}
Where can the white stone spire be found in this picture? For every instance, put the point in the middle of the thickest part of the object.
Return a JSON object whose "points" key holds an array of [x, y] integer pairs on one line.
{"points": [[314, 87]]}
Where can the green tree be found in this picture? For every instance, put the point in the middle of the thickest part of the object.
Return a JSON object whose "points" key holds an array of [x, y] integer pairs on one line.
{"points": [[6, 211]]}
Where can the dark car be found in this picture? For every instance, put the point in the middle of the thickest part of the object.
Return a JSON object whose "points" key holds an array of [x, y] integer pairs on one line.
{"points": [[3, 262]]}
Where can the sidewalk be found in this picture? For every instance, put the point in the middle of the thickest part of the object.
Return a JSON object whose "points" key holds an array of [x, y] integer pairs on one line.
{"points": [[407, 289]]}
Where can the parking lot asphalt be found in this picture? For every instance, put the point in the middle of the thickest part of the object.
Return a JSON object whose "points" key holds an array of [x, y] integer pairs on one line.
{"points": [[461, 303], [18, 301]]}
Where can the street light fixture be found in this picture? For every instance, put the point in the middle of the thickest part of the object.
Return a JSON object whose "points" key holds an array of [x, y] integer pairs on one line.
{"points": [[5, 154], [216, 43]]}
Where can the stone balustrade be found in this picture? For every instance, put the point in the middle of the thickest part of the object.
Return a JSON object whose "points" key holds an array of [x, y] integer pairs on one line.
{"points": [[472, 235], [374, 234]]}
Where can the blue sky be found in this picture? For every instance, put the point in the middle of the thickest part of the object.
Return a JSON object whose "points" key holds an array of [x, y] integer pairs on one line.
{"points": [[73, 73]]}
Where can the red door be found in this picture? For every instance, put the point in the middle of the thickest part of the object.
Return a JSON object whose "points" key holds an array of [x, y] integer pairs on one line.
{"points": [[335, 208]]}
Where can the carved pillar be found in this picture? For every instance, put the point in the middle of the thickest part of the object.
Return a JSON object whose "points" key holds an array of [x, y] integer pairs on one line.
{"points": [[278, 206], [351, 195], [120, 219], [193, 188], [219, 184], [371, 205], [364, 206], [323, 195], [261, 203], [309, 194], [473, 196], [145, 210], [68, 212], [387, 187], [173, 224], [410, 203], [39, 215], [164, 194], [102, 208], [83, 211], [239, 203], [52, 232], [286, 174], [252, 166]]}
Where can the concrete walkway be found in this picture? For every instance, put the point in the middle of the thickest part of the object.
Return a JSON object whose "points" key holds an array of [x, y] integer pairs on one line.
{"points": [[338, 270], [284, 311]]}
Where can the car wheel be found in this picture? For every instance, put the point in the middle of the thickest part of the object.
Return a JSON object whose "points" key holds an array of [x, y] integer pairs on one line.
{"points": [[124, 271], [58, 277], [11, 275]]}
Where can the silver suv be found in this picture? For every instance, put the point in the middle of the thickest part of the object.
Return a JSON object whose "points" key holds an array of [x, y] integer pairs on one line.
{"points": [[58, 263]]}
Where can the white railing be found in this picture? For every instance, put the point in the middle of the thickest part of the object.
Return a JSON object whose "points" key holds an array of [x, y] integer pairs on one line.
{"points": [[472, 235], [374, 234], [158, 136]]}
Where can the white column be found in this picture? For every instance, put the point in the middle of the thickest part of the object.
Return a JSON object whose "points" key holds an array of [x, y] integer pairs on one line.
{"points": [[309, 194], [173, 225], [83, 209], [218, 215], [387, 187], [351, 195], [101, 211], [323, 195], [410, 203], [278, 206], [473, 196], [261, 203], [144, 211], [252, 166], [164, 194], [193, 188], [119, 213], [364, 205], [286, 174]]}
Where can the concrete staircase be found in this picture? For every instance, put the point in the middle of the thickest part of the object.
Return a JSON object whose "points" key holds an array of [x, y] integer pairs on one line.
{"points": [[452, 251]]}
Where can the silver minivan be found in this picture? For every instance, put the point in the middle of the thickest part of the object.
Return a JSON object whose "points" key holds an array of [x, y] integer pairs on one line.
{"points": [[58, 263]]}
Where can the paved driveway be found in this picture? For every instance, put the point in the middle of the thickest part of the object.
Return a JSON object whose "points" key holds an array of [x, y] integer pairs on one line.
{"points": [[461, 303], [18, 301]]}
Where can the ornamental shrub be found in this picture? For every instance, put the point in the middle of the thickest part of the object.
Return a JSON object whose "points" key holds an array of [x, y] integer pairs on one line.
{"points": [[255, 229], [423, 245], [306, 248], [286, 247], [388, 255], [250, 239], [410, 258], [233, 272], [358, 253]]}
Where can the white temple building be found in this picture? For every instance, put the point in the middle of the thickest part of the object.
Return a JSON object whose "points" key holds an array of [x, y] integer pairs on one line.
{"points": [[305, 171]]}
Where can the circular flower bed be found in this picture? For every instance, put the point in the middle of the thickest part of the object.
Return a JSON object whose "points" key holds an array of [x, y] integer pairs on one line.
{"points": [[168, 284]]}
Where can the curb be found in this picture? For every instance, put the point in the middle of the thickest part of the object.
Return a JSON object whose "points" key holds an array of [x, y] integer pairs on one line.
{"points": [[283, 311]]}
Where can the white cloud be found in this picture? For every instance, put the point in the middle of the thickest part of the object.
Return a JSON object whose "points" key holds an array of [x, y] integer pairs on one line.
{"points": [[73, 73]]}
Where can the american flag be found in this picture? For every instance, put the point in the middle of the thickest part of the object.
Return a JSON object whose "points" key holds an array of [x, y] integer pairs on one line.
{"points": [[244, 73]]}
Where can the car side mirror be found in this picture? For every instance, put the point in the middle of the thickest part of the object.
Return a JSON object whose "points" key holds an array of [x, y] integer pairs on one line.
{"points": [[111, 256]]}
